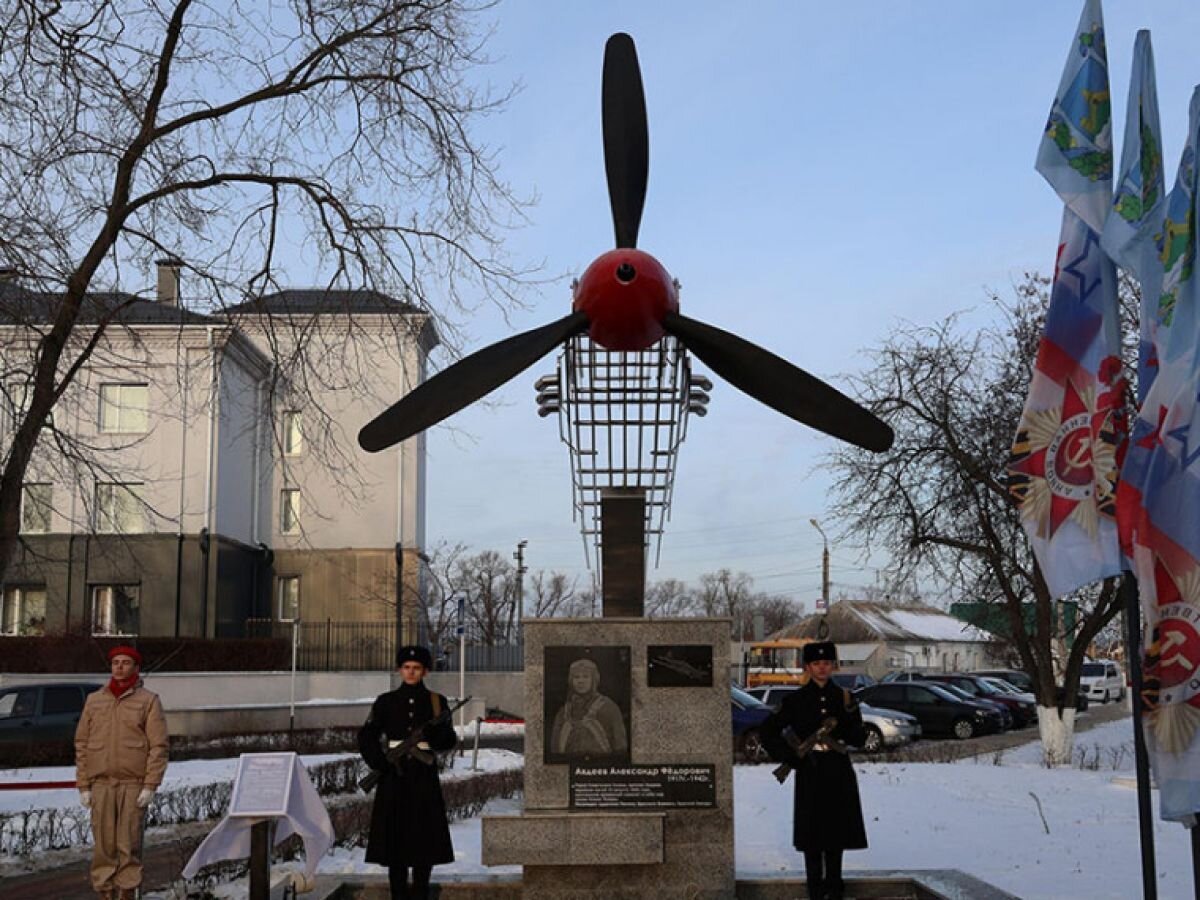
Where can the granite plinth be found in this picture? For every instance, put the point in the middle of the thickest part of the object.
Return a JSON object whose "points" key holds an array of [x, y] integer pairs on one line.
{"points": [[576, 839]]}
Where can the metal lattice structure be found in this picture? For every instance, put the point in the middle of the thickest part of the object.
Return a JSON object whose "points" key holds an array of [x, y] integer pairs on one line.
{"points": [[623, 415]]}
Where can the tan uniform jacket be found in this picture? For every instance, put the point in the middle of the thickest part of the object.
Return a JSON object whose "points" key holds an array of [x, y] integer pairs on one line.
{"points": [[121, 739]]}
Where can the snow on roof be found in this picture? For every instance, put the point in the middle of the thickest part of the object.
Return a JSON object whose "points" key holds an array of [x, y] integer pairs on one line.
{"points": [[915, 623]]}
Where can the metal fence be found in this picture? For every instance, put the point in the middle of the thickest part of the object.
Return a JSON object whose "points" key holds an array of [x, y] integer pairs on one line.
{"points": [[332, 646]]}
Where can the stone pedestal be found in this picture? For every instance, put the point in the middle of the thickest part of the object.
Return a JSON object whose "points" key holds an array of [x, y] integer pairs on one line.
{"points": [[640, 848]]}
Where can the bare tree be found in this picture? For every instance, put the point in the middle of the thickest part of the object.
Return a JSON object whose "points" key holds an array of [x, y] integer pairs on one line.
{"points": [[939, 502], [241, 136], [670, 598], [556, 596]]}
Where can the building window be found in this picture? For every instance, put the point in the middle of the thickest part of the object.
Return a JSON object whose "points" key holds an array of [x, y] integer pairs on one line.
{"points": [[119, 508], [289, 511], [115, 609], [289, 598], [293, 433], [37, 501], [24, 611], [123, 408]]}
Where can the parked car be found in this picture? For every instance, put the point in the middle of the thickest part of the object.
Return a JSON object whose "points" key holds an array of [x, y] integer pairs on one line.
{"points": [[1023, 712], [749, 713], [852, 681], [1103, 680], [1022, 681], [938, 711], [885, 728], [42, 713], [1007, 722]]}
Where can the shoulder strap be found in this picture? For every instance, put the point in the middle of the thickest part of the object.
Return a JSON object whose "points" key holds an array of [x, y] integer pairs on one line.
{"points": [[436, 699], [847, 700]]}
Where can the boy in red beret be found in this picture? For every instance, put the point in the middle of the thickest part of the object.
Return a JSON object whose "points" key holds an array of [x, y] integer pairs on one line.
{"points": [[120, 757]]}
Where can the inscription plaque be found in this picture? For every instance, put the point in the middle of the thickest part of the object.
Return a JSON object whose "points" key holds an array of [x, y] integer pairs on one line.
{"points": [[666, 786], [262, 784]]}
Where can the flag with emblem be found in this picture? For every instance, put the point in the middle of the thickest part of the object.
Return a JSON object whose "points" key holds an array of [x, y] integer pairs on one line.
{"points": [[1137, 209], [1063, 468], [1159, 505]]}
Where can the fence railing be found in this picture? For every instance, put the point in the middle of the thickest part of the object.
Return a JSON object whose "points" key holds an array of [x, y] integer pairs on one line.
{"points": [[332, 646]]}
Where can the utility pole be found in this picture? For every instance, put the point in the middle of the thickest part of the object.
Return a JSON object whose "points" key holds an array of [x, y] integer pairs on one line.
{"points": [[519, 556], [823, 604]]}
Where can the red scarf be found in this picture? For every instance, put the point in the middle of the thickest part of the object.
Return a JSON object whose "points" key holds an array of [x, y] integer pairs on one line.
{"points": [[118, 686]]}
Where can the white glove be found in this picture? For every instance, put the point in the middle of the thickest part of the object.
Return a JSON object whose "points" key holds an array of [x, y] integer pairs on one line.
{"points": [[85, 798], [424, 745], [145, 797]]}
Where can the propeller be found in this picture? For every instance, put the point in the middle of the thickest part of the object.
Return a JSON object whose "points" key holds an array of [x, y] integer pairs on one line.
{"points": [[626, 300], [465, 382], [626, 138], [780, 385]]}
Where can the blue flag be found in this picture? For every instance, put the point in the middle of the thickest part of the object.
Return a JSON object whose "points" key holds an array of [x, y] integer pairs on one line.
{"points": [[1137, 209]]}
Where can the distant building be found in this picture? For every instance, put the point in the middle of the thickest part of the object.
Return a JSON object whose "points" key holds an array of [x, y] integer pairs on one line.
{"points": [[877, 638], [202, 502]]}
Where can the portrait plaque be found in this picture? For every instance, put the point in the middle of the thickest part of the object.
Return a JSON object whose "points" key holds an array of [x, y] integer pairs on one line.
{"points": [[586, 705], [262, 785], [679, 665]]}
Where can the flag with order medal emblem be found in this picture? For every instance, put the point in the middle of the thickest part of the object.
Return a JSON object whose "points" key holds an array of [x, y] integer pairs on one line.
{"points": [[1067, 453]]}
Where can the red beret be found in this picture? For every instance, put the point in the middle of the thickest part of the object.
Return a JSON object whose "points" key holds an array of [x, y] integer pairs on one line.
{"points": [[125, 650]]}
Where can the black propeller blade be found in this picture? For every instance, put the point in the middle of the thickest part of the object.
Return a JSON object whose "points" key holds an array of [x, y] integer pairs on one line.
{"points": [[780, 385], [465, 382], [626, 138]]}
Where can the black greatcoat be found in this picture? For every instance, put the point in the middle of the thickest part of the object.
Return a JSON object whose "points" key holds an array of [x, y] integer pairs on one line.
{"points": [[827, 814], [408, 820]]}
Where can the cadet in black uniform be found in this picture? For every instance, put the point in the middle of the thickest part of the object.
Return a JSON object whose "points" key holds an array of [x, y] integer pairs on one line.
{"points": [[827, 817], [408, 820]]}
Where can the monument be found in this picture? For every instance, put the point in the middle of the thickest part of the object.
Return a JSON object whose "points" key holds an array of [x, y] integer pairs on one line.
{"points": [[628, 756]]}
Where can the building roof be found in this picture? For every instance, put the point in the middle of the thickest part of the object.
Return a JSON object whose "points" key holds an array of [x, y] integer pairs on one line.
{"points": [[860, 621], [309, 301], [21, 306]]}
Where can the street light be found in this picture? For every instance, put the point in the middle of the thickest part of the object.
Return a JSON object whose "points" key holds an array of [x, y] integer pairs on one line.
{"points": [[823, 603]]}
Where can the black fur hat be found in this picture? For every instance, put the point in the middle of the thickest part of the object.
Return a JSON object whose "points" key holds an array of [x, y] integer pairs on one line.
{"points": [[414, 653], [820, 650]]}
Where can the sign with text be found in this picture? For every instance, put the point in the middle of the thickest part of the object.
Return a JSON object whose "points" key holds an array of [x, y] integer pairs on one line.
{"points": [[668, 786], [262, 784]]}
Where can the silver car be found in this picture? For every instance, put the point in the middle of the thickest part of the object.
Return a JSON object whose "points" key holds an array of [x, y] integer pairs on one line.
{"points": [[885, 728]]}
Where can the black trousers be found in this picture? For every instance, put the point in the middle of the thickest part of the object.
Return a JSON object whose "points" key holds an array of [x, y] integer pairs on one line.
{"points": [[823, 872], [398, 882]]}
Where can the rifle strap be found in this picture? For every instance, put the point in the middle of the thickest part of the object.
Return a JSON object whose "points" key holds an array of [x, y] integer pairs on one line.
{"points": [[436, 700]]}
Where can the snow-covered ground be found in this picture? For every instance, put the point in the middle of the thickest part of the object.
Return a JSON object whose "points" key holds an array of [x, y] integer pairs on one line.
{"points": [[981, 816], [976, 816]]}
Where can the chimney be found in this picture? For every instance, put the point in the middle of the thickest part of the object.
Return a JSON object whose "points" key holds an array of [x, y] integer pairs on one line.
{"points": [[168, 280]]}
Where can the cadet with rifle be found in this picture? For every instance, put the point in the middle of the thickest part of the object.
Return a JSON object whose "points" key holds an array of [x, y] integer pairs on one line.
{"points": [[808, 735], [409, 828]]}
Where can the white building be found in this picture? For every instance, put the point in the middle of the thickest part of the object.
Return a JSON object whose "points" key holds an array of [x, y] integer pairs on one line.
{"points": [[209, 473]]}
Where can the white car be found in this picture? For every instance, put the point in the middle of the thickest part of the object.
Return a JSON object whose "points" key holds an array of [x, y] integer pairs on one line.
{"points": [[1103, 680], [885, 727]]}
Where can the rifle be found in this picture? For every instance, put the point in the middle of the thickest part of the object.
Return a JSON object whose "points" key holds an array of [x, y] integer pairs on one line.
{"points": [[823, 735], [408, 746]]}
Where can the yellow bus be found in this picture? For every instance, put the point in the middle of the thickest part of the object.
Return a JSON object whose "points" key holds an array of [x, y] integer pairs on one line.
{"points": [[775, 662]]}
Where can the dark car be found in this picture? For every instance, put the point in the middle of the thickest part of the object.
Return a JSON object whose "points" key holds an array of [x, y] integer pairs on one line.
{"points": [[749, 713], [938, 711], [852, 681], [1022, 681], [1007, 721], [1023, 712], [42, 713], [884, 727]]}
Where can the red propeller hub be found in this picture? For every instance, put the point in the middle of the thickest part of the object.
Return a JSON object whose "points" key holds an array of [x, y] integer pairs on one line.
{"points": [[625, 294]]}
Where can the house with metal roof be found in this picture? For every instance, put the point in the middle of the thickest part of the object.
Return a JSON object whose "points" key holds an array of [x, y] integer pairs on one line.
{"points": [[877, 638]]}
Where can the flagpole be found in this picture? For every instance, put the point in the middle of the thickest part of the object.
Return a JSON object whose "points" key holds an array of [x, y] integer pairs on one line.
{"points": [[1133, 657]]}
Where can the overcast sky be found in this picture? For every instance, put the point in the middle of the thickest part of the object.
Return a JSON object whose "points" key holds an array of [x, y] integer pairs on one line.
{"points": [[818, 172]]}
